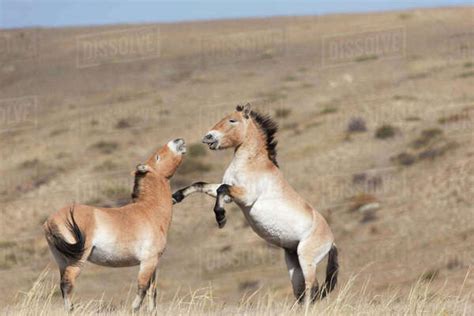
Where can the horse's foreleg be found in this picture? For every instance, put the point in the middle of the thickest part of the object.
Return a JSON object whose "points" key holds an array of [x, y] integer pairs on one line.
{"points": [[225, 192], [147, 269], [201, 187]]}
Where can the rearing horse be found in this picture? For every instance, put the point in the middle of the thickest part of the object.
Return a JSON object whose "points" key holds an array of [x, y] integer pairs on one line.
{"points": [[274, 210]]}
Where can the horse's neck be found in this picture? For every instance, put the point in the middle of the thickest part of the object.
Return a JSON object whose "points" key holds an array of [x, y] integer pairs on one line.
{"points": [[251, 152], [152, 190]]}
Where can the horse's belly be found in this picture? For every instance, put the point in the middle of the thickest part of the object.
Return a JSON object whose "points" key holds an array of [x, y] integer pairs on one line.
{"points": [[110, 248], [278, 223], [113, 257]]}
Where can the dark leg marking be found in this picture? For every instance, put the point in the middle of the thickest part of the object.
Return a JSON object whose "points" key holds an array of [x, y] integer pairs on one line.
{"points": [[179, 195], [219, 210]]}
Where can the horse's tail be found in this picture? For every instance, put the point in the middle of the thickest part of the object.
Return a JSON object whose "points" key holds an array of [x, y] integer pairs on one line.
{"points": [[332, 270], [72, 251]]}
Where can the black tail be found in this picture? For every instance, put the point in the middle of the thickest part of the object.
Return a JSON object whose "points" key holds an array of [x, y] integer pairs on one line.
{"points": [[71, 251], [331, 272]]}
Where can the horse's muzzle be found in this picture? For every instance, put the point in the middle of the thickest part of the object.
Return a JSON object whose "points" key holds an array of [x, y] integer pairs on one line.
{"points": [[210, 140]]}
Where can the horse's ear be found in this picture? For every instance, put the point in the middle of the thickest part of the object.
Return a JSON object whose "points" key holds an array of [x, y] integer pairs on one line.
{"points": [[142, 168], [247, 109]]}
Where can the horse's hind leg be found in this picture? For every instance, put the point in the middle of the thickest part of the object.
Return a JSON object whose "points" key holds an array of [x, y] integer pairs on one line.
{"points": [[68, 280], [68, 274], [152, 292], [147, 269], [310, 253], [296, 274]]}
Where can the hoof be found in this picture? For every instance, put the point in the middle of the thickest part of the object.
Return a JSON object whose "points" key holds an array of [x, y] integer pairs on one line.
{"points": [[222, 222], [177, 197], [220, 217]]}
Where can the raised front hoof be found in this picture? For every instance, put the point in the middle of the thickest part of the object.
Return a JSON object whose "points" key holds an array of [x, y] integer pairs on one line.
{"points": [[221, 223], [177, 197], [220, 217]]}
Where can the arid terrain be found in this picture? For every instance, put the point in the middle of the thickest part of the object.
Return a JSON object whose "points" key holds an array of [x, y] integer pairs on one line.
{"points": [[376, 115]]}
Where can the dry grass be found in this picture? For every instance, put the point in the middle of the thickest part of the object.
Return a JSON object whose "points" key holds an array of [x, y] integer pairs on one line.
{"points": [[422, 299]]}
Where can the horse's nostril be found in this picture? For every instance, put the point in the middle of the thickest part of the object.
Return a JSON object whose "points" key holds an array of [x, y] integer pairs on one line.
{"points": [[208, 137]]}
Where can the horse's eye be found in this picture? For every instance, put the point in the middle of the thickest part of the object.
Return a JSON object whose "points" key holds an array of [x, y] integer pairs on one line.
{"points": [[232, 121], [158, 158]]}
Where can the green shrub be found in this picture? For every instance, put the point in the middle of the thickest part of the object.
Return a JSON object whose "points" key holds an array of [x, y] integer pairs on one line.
{"points": [[328, 109], [385, 131], [366, 58]]}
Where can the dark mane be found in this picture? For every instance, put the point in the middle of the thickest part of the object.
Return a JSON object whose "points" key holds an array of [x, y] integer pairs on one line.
{"points": [[269, 128], [136, 185]]}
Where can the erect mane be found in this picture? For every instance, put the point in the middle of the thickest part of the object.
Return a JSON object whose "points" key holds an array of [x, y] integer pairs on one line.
{"points": [[137, 185], [269, 128]]}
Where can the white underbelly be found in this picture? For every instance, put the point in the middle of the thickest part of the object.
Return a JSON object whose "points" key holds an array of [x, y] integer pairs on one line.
{"points": [[110, 248], [276, 222]]}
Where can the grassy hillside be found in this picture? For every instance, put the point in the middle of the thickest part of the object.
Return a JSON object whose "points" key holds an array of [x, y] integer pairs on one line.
{"points": [[376, 117]]}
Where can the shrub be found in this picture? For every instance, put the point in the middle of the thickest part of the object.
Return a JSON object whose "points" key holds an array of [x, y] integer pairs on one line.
{"points": [[453, 118], [405, 159], [467, 74], [400, 97], [329, 109], [107, 165], [290, 78], [123, 123], [356, 125], [30, 164], [365, 58], [385, 131], [105, 147], [432, 153], [282, 112], [427, 137]]}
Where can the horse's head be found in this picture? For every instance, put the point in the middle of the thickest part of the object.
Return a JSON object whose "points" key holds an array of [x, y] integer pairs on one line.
{"points": [[230, 131], [167, 159]]}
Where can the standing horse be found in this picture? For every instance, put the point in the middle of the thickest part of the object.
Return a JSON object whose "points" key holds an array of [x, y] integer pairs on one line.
{"points": [[271, 206], [134, 234]]}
